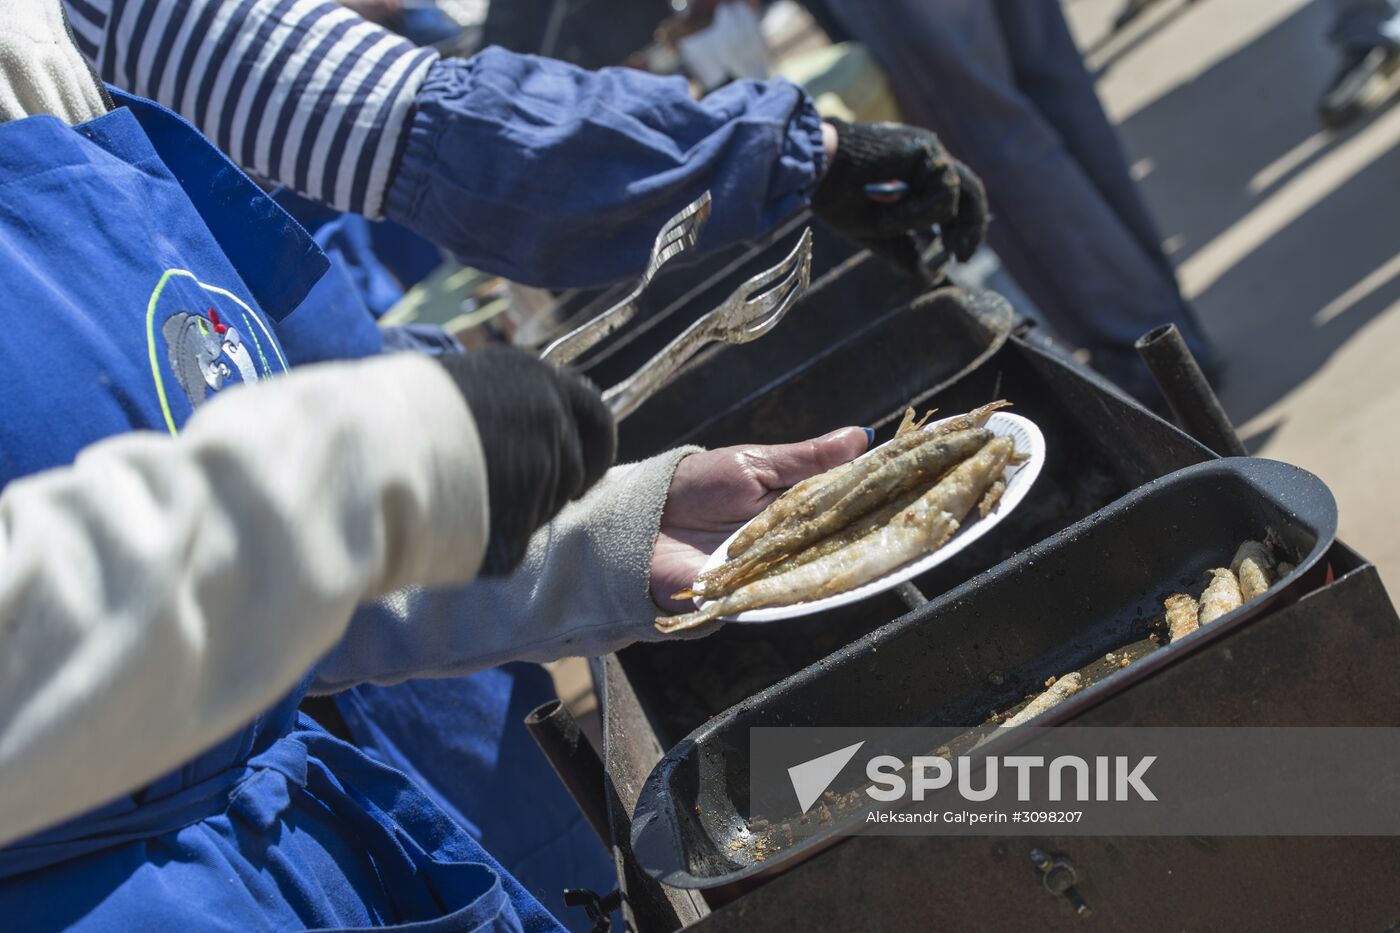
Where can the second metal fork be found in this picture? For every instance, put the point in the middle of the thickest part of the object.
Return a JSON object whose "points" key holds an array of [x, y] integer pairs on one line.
{"points": [[753, 310], [679, 234]]}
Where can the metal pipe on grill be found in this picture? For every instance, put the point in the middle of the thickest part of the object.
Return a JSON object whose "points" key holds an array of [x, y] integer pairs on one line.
{"points": [[1192, 401], [574, 760]]}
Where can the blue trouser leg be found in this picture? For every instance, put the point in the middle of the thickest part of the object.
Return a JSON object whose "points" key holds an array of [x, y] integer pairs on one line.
{"points": [[1048, 70], [1365, 24], [1009, 102]]}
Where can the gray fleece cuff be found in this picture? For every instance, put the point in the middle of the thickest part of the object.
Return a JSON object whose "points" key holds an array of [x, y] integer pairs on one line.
{"points": [[623, 520], [584, 589]]}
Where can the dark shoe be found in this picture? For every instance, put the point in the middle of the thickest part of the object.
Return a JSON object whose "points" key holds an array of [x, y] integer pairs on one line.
{"points": [[1131, 11], [1364, 83]]}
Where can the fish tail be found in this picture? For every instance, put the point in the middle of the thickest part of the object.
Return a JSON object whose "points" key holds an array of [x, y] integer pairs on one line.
{"points": [[670, 624]]}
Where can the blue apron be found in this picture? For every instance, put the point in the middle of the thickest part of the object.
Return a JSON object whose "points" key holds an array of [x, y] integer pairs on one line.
{"points": [[140, 275], [461, 740], [463, 743]]}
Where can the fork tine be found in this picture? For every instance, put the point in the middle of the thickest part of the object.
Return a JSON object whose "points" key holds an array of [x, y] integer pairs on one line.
{"points": [[767, 277], [751, 311], [688, 227], [696, 212], [683, 238], [801, 275], [755, 308], [791, 292], [801, 255], [679, 233], [684, 227]]}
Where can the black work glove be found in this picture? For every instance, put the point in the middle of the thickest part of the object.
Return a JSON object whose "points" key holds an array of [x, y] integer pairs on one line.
{"points": [[547, 435], [942, 191]]}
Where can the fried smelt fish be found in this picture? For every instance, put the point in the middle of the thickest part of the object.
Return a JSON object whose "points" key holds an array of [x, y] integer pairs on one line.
{"points": [[810, 495], [1253, 566], [976, 418], [993, 496], [1061, 690], [922, 527], [1183, 615], [909, 423], [1222, 595], [848, 535], [782, 507], [820, 492], [890, 479]]}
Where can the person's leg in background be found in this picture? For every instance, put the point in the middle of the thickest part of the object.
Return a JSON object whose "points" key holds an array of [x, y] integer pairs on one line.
{"points": [[1366, 34], [820, 11], [1085, 267], [517, 25], [1049, 71], [1132, 10]]}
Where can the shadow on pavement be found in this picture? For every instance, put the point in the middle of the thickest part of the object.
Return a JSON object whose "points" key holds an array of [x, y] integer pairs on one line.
{"points": [[1251, 118], [1210, 136], [1263, 310], [1130, 38]]}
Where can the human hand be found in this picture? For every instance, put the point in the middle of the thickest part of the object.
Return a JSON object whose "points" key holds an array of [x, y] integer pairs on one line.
{"points": [[547, 437], [716, 491], [941, 190]]}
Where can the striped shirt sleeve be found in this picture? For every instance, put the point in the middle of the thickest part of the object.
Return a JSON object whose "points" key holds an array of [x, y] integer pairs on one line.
{"points": [[302, 92]]}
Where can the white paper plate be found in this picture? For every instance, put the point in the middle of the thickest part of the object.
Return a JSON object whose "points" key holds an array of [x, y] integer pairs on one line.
{"points": [[1029, 441]]}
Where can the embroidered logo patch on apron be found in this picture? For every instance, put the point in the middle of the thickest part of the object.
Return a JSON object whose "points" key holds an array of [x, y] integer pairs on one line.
{"points": [[208, 337]]}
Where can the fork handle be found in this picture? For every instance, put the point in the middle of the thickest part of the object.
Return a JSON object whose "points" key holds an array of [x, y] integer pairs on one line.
{"points": [[587, 336], [628, 395]]}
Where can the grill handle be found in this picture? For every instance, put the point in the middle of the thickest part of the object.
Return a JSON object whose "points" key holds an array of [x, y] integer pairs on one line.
{"points": [[574, 760], [1191, 399]]}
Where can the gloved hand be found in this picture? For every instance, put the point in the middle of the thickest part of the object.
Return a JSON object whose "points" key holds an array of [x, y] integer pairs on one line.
{"points": [[548, 437], [41, 69], [941, 191]]}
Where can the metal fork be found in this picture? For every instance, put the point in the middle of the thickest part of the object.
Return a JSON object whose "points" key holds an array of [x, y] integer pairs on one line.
{"points": [[753, 310], [678, 235]]}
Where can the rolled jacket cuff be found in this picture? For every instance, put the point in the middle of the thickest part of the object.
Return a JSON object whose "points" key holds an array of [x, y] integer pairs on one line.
{"points": [[800, 165], [446, 79], [558, 177], [803, 161]]}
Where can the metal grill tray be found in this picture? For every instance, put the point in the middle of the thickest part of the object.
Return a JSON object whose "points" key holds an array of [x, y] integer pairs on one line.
{"points": [[1053, 608]]}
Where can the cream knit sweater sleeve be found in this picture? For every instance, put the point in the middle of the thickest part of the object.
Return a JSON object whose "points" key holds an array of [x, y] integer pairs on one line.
{"points": [[160, 592]]}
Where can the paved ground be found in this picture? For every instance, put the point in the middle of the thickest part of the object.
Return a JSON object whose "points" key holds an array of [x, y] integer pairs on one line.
{"points": [[1287, 238]]}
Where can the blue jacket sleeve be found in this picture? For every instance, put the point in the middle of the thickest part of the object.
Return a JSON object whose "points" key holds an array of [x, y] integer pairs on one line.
{"points": [[555, 176]]}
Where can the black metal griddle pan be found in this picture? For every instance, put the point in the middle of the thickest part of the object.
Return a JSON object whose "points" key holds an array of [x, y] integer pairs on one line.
{"points": [[1053, 608]]}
